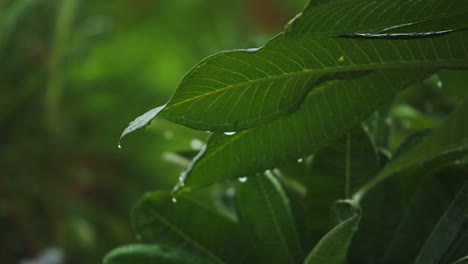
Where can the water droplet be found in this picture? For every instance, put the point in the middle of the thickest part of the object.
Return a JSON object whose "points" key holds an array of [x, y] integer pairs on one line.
{"points": [[119, 146], [229, 133], [196, 144], [251, 50], [439, 84], [174, 200], [300, 160], [243, 179]]}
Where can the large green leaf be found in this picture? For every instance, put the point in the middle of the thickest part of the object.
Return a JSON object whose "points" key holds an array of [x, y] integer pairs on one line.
{"points": [[328, 112], [150, 254], [338, 170], [188, 226], [451, 136], [264, 208], [236, 90], [333, 247], [386, 16]]}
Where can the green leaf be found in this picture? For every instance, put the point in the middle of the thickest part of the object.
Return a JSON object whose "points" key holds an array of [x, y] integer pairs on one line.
{"points": [[188, 226], [450, 137], [337, 171], [328, 112], [333, 247], [233, 91], [149, 254], [387, 16], [446, 229], [264, 208], [418, 219]]}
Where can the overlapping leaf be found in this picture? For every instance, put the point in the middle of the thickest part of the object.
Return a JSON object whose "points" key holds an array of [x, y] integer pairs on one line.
{"points": [[326, 115], [386, 16], [451, 136], [333, 247], [264, 208], [187, 226], [236, 90]]}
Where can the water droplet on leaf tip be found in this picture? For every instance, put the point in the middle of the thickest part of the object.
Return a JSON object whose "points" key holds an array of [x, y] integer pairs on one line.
{"points": [[243, 179], [229, 133], [119, 146], [300, 160], [174, 200]]}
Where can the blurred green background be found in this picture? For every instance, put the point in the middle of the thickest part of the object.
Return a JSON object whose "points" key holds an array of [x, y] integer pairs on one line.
{"points": [[73, 74]]}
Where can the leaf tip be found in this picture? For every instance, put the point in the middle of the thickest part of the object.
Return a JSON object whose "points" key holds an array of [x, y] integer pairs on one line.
{"points": [[141, 122]]}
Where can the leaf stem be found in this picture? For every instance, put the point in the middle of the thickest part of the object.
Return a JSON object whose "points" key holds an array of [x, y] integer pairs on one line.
{"points": [[348, 167]]}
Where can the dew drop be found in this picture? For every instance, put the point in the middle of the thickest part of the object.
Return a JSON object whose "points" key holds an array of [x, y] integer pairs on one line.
{"points": [[439, 84], [119, 146], [251, 50], [229, 133], [174, 200], [300, 160], [196, 144], [243, 179]]}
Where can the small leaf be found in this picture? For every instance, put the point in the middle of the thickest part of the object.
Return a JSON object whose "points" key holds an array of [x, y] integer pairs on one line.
{"points": [[333, 247], [186, 225], [264, 208], [141, 121], [149, 254]]}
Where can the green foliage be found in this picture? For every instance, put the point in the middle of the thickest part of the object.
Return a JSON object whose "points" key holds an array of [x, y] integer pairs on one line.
{"points": [[328, 92]]}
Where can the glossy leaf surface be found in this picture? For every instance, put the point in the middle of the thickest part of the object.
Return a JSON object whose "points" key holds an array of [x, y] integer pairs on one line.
{"points": [[326, 115]]}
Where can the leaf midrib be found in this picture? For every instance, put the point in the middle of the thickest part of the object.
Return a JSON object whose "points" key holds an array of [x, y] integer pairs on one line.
{"points": [[336, 69], [186, 237], [274, 219]]}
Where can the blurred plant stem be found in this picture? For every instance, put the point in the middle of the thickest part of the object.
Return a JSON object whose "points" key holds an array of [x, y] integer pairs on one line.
{"points": [[59, 45]]}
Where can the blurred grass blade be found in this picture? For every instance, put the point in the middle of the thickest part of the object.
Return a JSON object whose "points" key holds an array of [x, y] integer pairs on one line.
{"points": [[333, 247], [446, 229], [451, 136], [328, 112], [264, 208], [236, 90], [149, 254], [387, 16], [188, 226], [337, 171]]}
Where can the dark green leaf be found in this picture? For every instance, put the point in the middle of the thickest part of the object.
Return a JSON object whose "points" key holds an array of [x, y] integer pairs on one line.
{"points": [[333, 247], [418, 219], [446, 229], [327, 113], [188, 226], [150, 254], [264, 208], [236, 90], [451, 136], [387, 16]]}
